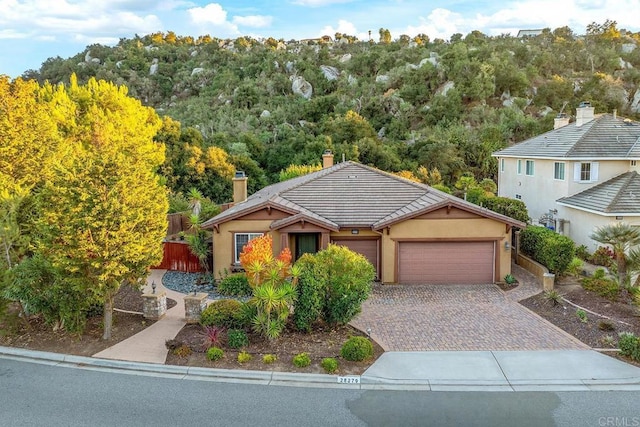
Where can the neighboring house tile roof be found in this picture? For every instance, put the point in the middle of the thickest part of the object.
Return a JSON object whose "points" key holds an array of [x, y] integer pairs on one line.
{"points": [[619, 195], [349, 194], [604, 137]]}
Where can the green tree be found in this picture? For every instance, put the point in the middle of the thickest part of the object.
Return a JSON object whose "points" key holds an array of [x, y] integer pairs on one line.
{"points": [[621, 237], [103, 214]]}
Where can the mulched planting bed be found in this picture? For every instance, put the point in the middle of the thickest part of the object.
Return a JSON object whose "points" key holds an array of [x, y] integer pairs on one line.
{"points": [[321, 343]]}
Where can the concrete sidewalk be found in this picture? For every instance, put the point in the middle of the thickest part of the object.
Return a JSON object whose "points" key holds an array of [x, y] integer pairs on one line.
{"points": [[148, 345], [546, 370], [497, 371]]}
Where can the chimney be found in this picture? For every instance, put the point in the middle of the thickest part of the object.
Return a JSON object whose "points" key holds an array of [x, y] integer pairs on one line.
{"points": [[560, 121], [239, 187], [584, 113], [327, 159]]}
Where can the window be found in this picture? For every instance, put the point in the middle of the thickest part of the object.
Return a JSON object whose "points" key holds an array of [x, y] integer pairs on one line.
{"points": [[634, 162], [501, 165], [529, 167], [585, 172], [241, 239], [518, 196], [519, 167], [558, 171]]}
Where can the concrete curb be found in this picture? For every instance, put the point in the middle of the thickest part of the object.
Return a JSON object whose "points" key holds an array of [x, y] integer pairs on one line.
{"points": [[272, 378]]}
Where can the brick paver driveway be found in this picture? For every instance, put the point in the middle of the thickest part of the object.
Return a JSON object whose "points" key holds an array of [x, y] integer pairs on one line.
{"points": [[459, 317]]}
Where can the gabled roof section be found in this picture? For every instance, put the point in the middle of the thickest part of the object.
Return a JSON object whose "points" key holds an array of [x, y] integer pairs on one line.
{"points": [[307, 217], [435, 200], [619, 195], [349, 194], [604, 137]]}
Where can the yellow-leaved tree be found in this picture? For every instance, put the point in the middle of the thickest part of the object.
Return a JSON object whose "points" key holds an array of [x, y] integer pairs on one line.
{"points": [[103, 212]]}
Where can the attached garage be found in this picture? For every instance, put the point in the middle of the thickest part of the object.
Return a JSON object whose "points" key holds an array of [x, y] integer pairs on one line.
{"points": [[366, 247], [446, 262]]}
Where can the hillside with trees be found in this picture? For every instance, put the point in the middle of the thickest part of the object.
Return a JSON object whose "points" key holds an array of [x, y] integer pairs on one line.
{"points": [[430, 110]]}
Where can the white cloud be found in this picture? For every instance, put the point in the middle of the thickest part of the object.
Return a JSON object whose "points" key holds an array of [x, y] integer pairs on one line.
{"points": [[212, 13], [319, 3], [255, 21], [344, 27]]}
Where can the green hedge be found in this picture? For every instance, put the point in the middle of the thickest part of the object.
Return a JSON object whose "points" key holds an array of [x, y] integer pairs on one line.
{"points": [[548, 248], [512, 208]]}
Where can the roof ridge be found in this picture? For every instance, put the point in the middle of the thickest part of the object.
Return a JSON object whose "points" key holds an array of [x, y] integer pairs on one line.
{"points": [[590, 125], [626, 180], [419, 185]]}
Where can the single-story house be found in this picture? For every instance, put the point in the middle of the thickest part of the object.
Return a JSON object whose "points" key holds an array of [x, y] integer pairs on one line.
{"points": [[410, 232]]}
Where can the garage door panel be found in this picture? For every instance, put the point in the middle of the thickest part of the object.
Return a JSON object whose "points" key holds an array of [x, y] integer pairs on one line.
{"points": [[368, 248], [446, 262]]}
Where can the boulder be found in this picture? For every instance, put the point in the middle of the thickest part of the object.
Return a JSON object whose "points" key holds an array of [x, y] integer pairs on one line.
{"points": [[330, 73], [197, 70], [301, 87], [87, 57], [446, 87], [345, 58], [290, 67], [624, 64], [194, 53], [382, 79], [95, 60], [352, 80], [265, 114], [635, 104], [153, 69], [119, 64]]}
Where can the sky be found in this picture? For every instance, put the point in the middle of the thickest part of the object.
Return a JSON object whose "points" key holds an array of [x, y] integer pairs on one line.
{"points": [[31, 31]]}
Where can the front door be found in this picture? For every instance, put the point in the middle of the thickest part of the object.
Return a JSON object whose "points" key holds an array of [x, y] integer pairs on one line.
{"points": [[306, 243]]}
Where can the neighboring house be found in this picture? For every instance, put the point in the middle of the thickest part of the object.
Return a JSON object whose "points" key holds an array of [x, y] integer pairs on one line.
{"points": [[578, 176], [529, 33], [409, 231]]}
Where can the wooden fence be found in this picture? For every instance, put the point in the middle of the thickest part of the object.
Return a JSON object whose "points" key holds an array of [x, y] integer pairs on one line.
{"points": [[178, 257]]}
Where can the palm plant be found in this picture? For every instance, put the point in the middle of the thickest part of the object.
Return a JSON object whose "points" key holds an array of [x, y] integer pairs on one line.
{"points": [[198, 242], [621, 237]]}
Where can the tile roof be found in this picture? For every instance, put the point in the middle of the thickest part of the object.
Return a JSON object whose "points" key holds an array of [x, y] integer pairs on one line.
{"points": [[619, 195], [349, 194], [604, 137]]}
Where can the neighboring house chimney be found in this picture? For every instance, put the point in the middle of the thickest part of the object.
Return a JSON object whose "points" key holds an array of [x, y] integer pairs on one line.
{"points": [[584, 113], [327, 159], [239, 187], [560, 121]]}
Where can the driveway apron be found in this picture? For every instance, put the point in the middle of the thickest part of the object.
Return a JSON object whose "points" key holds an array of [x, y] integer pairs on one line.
{"points": [[459, 317]]}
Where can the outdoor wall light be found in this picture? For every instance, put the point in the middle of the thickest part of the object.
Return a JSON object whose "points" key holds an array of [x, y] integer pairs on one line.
{"points": [[507, 246], [355, 231], [153, 287]]}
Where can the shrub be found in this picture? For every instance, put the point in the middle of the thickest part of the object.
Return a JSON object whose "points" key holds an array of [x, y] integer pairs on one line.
{"points": [[244, 357], [605, 325], [301, 360], [554, 296], [582, 252], [348, 277], [575, 266], [237, 338], [212, 336], [582, 315], [311, 292], [603, 256], [269, 359], [602, 286], [235, 285], [629, 345], [223, 313], [512, 208], [329, 364], [182, 351], [548, 248], [357, 349], [215, 353], [509, 279]]}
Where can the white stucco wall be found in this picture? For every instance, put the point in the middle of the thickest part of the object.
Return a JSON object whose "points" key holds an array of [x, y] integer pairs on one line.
{"points": [[584, 223]]}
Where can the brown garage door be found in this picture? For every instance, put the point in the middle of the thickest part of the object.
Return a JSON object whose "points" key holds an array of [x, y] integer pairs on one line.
{"points": [[446, 262], [368, 248]]}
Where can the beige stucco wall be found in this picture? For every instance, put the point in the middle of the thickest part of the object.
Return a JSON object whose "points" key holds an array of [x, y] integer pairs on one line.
{"points": [[584, 223], [540, 191], [480, 228], [223, 241]]}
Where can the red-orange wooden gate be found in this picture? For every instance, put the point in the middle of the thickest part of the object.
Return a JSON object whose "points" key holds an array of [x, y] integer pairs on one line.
{"points": [[177, 256]]}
